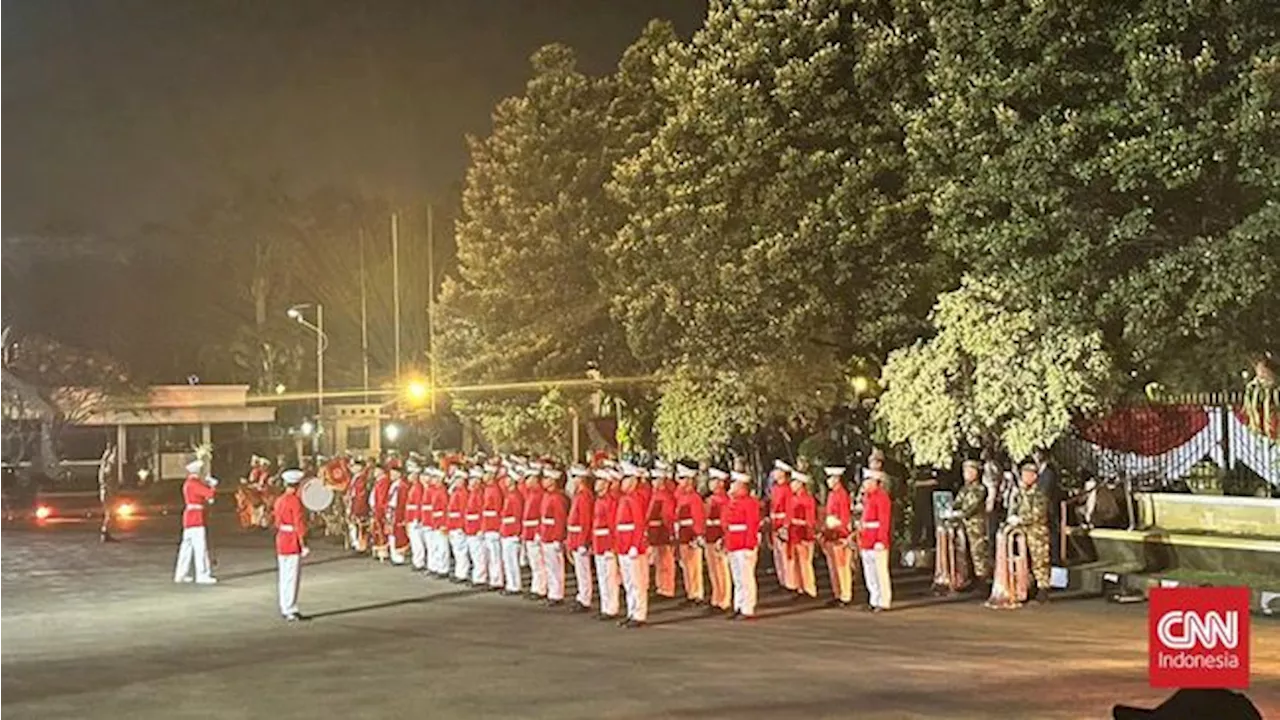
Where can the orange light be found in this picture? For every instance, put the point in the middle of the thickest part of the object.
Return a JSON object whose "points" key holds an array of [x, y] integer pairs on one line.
{"points": [[43, 512], [125, 510]]}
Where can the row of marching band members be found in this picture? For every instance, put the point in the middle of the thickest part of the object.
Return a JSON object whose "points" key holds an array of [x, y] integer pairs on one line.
{"points": [[622, 529]]}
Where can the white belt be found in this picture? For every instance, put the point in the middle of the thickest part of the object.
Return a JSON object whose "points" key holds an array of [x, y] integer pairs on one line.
{"points": [[713, 523], [455, 514], [508, 521], [437, 514], [798, 521], [871, 525], [548, 521], [472, 517], [626, 527], [491, 513], [655, 523], [285, 528], [780, 515], [737, 528], [531, 523], [575, 528], [194, 507], [601, 531], [410, 507], [686, 523]]}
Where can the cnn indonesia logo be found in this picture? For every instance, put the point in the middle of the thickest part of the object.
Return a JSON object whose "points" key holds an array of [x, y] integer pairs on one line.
{"points": [[1199, 637]]}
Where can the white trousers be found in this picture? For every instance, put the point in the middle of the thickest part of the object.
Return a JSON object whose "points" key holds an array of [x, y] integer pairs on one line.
{"points": [[417, 545], [537, 571], [875, 571], [582, 575], [781, 565], [635, 580], [511, 562], [440, 554], [479, 566], [290, 567], [493, 549], [461, 559], [194, 549], [742, 565], [607, 577], [553, 566]]}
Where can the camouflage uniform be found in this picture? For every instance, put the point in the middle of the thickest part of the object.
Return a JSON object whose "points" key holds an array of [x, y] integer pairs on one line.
{"points": [[971, 508], [1032, 509]]}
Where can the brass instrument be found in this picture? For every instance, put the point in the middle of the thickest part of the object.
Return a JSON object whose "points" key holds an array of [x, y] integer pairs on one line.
{"points": [[1012, 579], [951, 559]]}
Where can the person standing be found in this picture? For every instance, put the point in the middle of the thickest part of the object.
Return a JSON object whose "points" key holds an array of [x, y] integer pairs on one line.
{"points": [[632, 548], [511, 517], [440, 524], [837, 528], [969, 510], [291, 546], [491, 527], [551, 534], [530, 527], [802, 517], [662, 519], [1047, 483], [1031, 514], [604, 515], [358, 508], [197, 492], [379, 503], [690, 531], [874, 533], [742, 539], [397, 514], [413, 517], [717, 556], [779, 499], [581, 523], [459, 498], [471, 528], [108, 486]]}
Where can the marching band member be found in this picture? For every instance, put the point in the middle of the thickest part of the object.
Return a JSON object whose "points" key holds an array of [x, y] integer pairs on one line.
{"points": [[580, 532], [397, 533], [717, 556], [968, 515], [690, 530], [291, 547], [459, 498], [438, 555], [604, 515], [413, 516], [837, 528], [779, 498], [530, 526], [551, 534], [491, 526], [471, 528], [1030, 513], [873, 541], [512, 516], [194, 549], [379, 498], [741, 520], [632, 548], [662, 520], [802, 516], [358, 508]]}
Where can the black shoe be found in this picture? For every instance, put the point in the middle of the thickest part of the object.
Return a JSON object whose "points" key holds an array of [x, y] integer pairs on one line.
{"points": [[833, 602], [1042, 595], [578, 608], [633, 624], [869, 608], [878, 610], [554, 603], [623, 622], [734, 616]]}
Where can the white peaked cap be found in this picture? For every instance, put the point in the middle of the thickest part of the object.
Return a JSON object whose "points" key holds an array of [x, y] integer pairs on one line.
{"points": [[476, 473], [740, 476], [551, 473], [684, 472], [629, 469], [578, 471], [717, 473], [661, 464], [800, 477], [834, 471], [195, 466], [291, 477], [780, 465], [535, 465]]}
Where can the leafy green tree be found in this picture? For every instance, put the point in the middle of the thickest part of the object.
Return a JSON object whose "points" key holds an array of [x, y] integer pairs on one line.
{"points": [[995, 371], [1118, 162]]}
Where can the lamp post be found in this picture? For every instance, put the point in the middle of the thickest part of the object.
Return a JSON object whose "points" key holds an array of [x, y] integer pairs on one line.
{"points": [[322, 342]]}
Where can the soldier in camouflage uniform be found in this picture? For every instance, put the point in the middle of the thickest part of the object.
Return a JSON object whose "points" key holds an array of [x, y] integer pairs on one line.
{"points": [[970, 510], [1031, 513]]}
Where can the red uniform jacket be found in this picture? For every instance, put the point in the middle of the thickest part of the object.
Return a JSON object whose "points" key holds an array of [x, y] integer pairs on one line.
{"points": [[381, 496], [439, 507], [802, 518], [779, 499], [715, 513], [604, 514], [691, 516], [475, 511], [413, 504], [838, 507], [532, 520], [291, 524], [741, 523], [358, 499], [581, 519], [195, 493], [628, 526], [425, 500], [661, 515], [457, 508], [400, 500], [512, 514], [645, 491], [555, 514], [877, 519], [491, 509]]}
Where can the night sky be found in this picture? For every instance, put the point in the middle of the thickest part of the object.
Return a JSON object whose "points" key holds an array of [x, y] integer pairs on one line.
{"points": [[120, 113]]}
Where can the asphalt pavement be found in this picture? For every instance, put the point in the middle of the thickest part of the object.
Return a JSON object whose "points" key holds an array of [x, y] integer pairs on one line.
{"points": [[101, 631]]}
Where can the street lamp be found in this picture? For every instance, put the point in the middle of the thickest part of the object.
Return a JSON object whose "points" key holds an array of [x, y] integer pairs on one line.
{"points": [[392, 432], [322, 342]]}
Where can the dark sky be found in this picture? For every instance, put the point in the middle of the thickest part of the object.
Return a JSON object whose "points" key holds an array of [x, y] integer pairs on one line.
{"points": [[119, 113]]}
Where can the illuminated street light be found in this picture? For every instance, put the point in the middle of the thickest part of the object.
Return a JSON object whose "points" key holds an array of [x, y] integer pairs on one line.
{"points": [[392, 432], [280, 388], [307, 428], [418, 391]]}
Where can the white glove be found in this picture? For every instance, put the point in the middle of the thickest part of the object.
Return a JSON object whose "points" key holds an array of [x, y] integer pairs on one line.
{"points": [[1013, 520], [879, 546], [633, 553], [582, 551], [306, 551]]}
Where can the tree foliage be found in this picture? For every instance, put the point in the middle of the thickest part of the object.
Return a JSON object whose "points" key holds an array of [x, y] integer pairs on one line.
{"points": [[994, 372]]}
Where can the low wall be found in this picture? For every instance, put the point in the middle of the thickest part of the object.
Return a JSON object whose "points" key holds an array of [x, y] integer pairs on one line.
{"points": [[1215, 514]]}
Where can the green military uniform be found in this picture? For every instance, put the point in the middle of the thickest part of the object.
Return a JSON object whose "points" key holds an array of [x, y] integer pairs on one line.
{"points": [[1032, 509], [970, 509]]}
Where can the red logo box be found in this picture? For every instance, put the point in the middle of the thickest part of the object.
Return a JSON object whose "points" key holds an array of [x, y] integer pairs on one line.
{"points": [[1199, 637]]}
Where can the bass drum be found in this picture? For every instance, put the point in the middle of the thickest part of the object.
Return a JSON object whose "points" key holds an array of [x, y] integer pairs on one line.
{"points": [[316, 496]]}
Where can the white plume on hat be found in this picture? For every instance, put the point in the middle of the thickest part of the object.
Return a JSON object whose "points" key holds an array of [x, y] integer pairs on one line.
{"points": [[291, 477]]}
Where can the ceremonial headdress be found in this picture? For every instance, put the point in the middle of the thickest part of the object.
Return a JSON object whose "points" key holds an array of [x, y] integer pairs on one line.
{"points": [[683, 471], [292, 476], [717, 474], [553, 473]]}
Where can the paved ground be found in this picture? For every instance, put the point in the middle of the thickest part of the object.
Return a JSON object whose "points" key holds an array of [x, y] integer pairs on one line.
{"points": [[98, 631]]}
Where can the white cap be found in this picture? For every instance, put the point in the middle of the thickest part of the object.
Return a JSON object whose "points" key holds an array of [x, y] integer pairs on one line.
{"points": [[535, 466], [578, 471], [476, 473], [834, 471], [740, 476], [660, 464], [195, 466], [780, 465], [291, 477], [629, 469], [552, 473], [717, 474], [684, 472], [799, 477], [211, 481]]}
